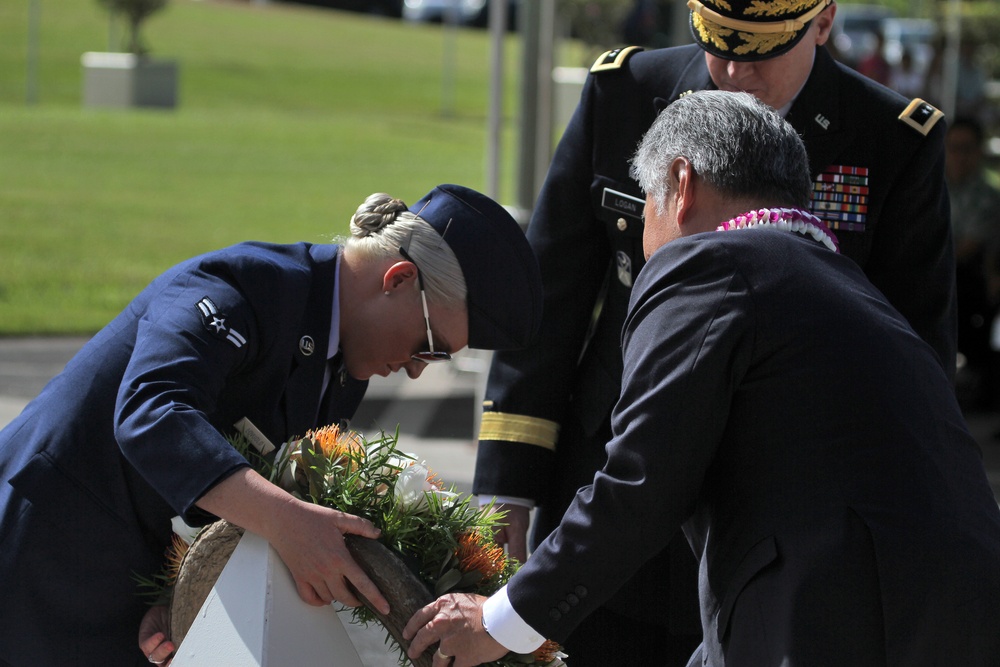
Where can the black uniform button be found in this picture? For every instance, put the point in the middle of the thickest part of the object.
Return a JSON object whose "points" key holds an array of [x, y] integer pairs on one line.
{"points": [[555, 614], [572, 599], [581, 591], [563, 607]]}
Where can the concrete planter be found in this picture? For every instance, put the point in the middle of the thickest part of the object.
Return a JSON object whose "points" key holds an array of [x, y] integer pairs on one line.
{"points": [[121, 80]]}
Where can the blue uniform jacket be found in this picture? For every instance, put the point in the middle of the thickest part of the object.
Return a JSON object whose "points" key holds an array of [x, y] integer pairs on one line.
{"points": [[130, 434]]}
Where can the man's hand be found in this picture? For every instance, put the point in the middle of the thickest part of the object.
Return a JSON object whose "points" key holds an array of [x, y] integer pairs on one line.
{"points": [[515, 534], [153, 636], [455, 623]]}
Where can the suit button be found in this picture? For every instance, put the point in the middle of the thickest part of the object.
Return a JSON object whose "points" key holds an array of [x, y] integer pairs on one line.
{"points": [[563, 607], [555, 614], [572, 599], [581, 591], [622, 224]]}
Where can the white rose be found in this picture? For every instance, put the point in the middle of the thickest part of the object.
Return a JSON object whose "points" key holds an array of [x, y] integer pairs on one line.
{"points": [[410, 487]]}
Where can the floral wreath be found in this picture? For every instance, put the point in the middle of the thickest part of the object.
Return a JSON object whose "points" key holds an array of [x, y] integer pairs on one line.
{"points": [[436, 533]]}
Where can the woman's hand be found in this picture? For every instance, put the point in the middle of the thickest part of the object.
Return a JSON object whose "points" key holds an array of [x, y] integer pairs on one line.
{"points": [[153, 636], [311, 543], [308, 537]]}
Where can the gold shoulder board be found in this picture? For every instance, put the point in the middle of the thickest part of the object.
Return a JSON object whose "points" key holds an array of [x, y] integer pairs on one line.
{"points": [[921, 116], [614, 58]]}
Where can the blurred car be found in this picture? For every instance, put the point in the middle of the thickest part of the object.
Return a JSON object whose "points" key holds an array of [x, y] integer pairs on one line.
{"points": [[463, 12], [854, 30], [393, 8]]}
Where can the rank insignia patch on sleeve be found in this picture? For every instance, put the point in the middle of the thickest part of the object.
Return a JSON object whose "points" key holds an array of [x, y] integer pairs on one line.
{"points": [[216, 323], [921, 116], [614, 58]]}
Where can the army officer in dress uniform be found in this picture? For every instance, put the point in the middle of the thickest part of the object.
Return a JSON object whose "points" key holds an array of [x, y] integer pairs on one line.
{"points": [[876, 161], [132, 432]]}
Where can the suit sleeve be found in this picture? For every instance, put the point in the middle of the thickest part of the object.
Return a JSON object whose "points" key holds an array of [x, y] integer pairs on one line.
{"points": [[688, 342], [528, 390]]}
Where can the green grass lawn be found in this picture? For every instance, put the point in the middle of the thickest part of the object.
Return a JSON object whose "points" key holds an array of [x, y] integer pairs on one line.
{"points": [[288, 118]]}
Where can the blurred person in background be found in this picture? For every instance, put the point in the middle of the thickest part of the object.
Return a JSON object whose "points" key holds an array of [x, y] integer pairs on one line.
{"points": [[874, 65], [975, 219], [906, 79]]}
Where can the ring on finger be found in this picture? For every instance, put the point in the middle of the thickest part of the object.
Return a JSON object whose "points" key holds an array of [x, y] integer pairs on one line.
{"points": [[155, 662], [443, 656]]}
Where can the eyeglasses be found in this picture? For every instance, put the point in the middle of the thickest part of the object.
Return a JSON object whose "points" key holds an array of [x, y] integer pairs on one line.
{"points": [[430, 356]]}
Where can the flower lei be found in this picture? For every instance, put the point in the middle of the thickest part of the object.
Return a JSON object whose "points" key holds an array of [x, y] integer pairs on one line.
{"points": [[790, 219]]}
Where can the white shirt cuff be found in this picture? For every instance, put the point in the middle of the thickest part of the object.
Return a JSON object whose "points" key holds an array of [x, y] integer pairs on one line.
{"points": [[485, 500], [504, 625]]}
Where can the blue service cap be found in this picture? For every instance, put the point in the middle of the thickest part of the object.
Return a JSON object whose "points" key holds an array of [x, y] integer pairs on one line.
{"points": [[503, 283]]}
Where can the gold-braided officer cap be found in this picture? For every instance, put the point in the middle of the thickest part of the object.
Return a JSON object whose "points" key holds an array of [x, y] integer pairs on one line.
{"points": [[747, 30]]}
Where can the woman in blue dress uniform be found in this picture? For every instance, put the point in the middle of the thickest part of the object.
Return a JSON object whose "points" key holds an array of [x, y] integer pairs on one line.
{"points": [[132, 432]]}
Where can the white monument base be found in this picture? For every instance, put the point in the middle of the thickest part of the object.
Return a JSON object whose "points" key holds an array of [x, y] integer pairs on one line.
{"points": [[254, 616]]}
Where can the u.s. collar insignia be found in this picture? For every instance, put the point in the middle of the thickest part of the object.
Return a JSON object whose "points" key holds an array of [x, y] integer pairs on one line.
{"points": [[614, 58], [216, 323], [921, 116], [307, 346]]}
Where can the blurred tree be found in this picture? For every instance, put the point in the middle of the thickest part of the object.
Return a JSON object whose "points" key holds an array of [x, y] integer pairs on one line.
{"points": [[135, 13], [597, 23]]}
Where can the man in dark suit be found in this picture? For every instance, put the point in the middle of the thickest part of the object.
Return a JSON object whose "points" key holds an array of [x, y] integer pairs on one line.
{"points": [[876, 161], [781, 411], [132, 432]]}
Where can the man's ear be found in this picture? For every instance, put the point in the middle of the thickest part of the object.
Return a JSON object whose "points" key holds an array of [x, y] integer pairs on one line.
{"points": [[824, 24], [682, 187], [400, 273]]}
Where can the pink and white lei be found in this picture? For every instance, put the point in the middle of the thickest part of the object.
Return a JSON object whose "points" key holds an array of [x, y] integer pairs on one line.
{"points": [[790, 219]]}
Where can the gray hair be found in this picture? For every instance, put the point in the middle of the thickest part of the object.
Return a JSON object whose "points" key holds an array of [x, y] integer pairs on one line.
{"points": [[735, 142], [382, 225]]}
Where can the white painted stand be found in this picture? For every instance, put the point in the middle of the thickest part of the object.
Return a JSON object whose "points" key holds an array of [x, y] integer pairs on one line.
{"points": [[121, 80], [254, 617]]}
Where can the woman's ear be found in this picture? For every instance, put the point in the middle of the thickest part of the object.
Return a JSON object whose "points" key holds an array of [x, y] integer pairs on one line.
{"points": [[398, 274]]}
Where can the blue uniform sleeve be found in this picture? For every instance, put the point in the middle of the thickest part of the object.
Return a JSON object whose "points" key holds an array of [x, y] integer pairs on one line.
{"points": [[193, 336]]}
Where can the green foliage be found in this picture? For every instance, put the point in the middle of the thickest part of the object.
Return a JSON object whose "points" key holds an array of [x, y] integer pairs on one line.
{"points": [[980, 26], [597, 23]]}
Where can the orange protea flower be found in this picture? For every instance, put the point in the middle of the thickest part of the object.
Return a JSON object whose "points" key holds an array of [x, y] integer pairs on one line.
{"points": [[336, 445], [476, 554], [546, 653], [174, 555]]}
